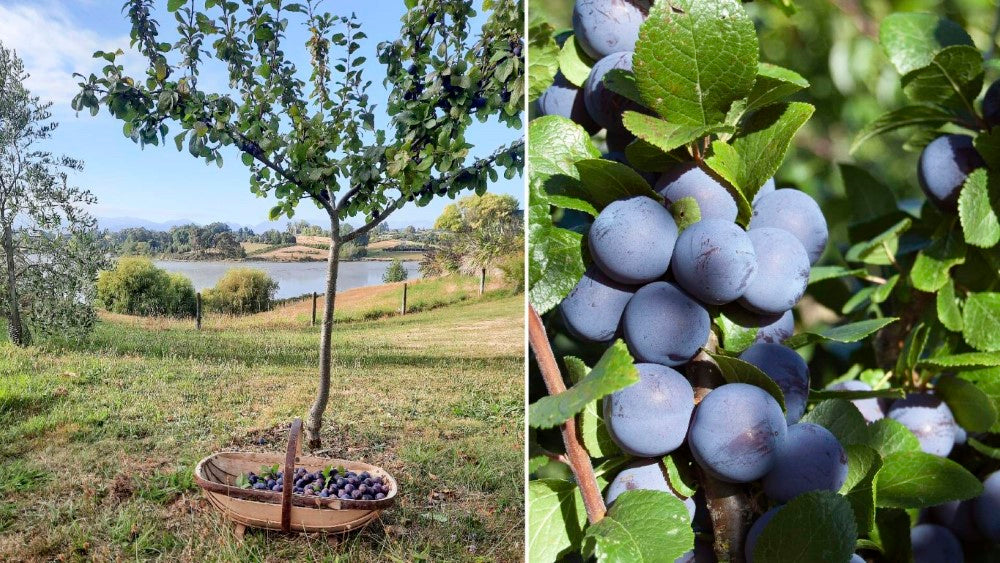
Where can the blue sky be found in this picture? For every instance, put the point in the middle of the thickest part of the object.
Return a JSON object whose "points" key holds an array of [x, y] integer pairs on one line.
{"points": [[57, 38]]}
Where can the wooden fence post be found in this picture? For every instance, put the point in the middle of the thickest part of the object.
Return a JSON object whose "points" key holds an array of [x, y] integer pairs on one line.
{"points": [[314, 309], [482, 281], [197, 311], [402, 308]]}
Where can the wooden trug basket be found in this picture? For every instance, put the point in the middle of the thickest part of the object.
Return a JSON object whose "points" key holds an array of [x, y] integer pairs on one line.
{"points": [[217, 474]]}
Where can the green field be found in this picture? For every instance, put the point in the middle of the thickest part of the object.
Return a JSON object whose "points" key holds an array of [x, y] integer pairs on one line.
{"points": [[98, 439]]}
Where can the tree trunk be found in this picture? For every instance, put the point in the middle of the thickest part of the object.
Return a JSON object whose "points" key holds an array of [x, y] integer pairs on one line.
{"points": [[15, 327], [315, 421]]}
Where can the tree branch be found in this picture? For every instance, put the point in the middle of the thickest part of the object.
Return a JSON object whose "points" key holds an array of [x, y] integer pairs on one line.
{"points": [[577, 456], [729, 504]]}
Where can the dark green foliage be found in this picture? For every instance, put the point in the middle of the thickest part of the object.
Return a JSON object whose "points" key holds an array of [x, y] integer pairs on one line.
{"points": [[395, 272], [242, 291], [137, 287]]}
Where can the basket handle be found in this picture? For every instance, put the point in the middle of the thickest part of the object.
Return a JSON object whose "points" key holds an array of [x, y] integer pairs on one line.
{"points": [[294, 447]]}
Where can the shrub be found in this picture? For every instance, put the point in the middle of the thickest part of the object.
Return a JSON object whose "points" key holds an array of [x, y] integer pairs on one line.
{"points": [[242, 291], [512, 269], [395, 272], [137, 287]]}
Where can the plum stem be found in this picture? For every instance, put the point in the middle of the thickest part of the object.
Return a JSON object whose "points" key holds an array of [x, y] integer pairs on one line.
{"points": [[729, 504], [576, 454]]}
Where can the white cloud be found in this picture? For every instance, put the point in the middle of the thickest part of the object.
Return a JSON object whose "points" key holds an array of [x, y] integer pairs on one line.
{"points": [[53, 47]]}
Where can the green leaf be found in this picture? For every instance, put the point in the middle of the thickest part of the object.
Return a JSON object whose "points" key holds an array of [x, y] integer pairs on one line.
{"points": [[763, 141], [557, 516], [820, 395], [735, 337], [622, 82], [646, 156], [954, 78], [174, 5], [888, 436], [662, 134], [920, 480], [867, 198], [827, 519], [960, 362], [931, 268], [911, 39], [973, 410], [860, 461], [863, 464], [844, 333], [842, 419], [823, 273], [978, 206], [892, 534], [680, 474], [605, 181], [876, 251], [593, 431], [774, 84], [987, 144], [906, 116], [555, 259], [692, 64], [574, 63], [643, 526], [615, 370], [981, 319], [686, 212], [727, 162], [735, 370], [543, 58], [949, 308]]}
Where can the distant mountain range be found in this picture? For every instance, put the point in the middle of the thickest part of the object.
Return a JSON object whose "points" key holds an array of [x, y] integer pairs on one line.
{"points": [[116, 224]]}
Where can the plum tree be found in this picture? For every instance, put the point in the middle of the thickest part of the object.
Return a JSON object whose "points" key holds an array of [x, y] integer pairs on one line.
{"points": [[605, 105], [714, 261], [782, 272], [986, 508], [934, 544], [650, 417], [566, 99], [991, 104], [959, 517], [593, 309], [930, 420], [689, 180], [736, 432], [664, 325], [755, 531], [632, 240], [646, 474], [787, 368], [810, 460], [795, 212], [944, 165], [870, 409], [603, 27]]}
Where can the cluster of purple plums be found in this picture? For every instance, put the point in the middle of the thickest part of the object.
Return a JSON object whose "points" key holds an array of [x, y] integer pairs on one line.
{"points": [[328, 483], [654, 286]]}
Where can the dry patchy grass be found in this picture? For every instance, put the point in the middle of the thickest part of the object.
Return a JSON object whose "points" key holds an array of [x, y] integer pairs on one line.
{"points": [[98, 438]]}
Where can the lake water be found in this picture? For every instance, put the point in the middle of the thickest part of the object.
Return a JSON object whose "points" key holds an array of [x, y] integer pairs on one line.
{"points": [[294, 278]]}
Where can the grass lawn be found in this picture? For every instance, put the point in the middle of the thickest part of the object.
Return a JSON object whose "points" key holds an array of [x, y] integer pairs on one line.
{"points": [[98, 439]]}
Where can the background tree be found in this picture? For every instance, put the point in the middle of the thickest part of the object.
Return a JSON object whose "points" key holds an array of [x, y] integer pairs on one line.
{"points": [[49, 242], [318, 140], [395, 272], [472, 212]]}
